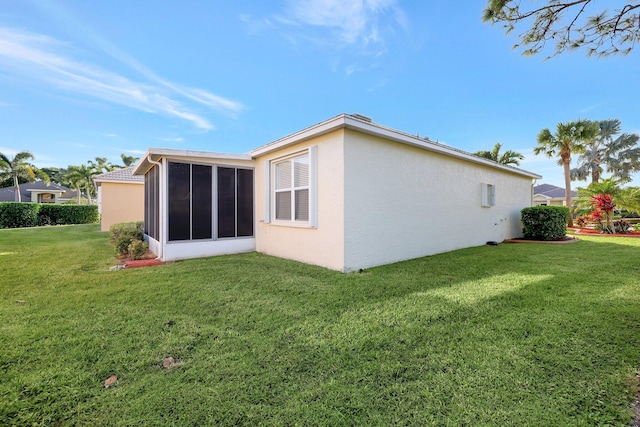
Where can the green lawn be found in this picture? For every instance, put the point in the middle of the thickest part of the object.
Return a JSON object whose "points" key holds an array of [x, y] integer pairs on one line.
{"points": [[513, 335]]}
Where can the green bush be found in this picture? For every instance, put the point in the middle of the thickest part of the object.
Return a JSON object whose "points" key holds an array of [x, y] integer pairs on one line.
{"points": [[137, 248], [67, 214], [18, 214], [545, 222], [124, 233]]}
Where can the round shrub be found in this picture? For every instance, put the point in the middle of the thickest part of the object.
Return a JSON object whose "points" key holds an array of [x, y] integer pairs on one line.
{"points": [[545, 222]]}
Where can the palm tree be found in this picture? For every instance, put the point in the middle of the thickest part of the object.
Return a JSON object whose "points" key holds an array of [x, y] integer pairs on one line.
{"points": [[621, 155], [18, 168], [128, 160], [80, 178], [509, 157], [569, 137]]}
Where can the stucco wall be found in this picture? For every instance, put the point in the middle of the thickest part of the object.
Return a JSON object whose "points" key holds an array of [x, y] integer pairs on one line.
{"points": [[324, 244], [403, 202], [120, 203]]}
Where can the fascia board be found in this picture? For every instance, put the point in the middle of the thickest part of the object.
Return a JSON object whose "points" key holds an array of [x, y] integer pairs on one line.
{"points": [[155, 154], [350, 122]]}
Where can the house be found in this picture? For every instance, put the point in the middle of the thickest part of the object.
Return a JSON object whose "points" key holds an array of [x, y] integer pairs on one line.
{"points": [[38, 192], [345, 194], [120, 197], [550, 195]]}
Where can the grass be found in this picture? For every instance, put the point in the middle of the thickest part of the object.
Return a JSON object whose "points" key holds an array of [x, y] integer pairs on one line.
{"points": [[512, 335]]}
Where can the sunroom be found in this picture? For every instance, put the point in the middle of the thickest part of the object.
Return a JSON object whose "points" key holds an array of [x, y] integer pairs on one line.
{"points": [[197, 204]]}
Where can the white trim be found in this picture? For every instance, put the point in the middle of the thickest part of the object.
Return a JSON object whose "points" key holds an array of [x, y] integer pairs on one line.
{"points": [[313, 186], [345, 121], [267, 192]]}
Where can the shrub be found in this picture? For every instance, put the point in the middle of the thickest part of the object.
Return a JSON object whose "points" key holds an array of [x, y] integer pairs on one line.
{"points": [[50, 214], [545, 222], [124, 233], [583, 221], [621, 226], [18, 214], [137, 248]]}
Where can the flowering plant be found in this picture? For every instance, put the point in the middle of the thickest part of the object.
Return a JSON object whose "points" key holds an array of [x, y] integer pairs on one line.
{"points": [[603, 212]]}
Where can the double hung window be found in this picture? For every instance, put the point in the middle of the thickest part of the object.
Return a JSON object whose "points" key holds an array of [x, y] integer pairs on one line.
{"points": [[292, 189]]}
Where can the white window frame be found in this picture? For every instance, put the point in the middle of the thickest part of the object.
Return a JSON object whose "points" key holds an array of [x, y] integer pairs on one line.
{"points": [[270, 208], [488, 195]]}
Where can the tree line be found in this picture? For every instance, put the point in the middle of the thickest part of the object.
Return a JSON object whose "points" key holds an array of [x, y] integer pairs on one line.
{"points": [[19, 170]]}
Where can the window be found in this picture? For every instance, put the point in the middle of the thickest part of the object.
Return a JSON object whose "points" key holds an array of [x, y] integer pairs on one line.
{"points": [[193, 207], [292, 178], [235, 202], [488, 195], [152, 203]]}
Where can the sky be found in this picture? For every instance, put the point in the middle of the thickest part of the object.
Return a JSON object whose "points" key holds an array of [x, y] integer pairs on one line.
{"points": [[80, 79]]}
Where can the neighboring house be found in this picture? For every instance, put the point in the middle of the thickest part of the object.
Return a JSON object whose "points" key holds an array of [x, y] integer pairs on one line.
{"points": [[38, 192], [345, 194], [550, 195], [120, 197]]}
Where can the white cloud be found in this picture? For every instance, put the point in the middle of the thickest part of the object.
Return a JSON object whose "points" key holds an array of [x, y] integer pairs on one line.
{"points": [[362, 26], [353, 21], [42, 59], [175, 139]]}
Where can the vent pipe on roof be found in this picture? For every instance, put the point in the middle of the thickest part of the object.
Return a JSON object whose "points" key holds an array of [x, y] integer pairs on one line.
{"points": [[361, 117]]}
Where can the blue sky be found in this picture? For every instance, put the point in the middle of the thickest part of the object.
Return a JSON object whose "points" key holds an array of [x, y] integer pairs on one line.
{"points": [[84, 79]]}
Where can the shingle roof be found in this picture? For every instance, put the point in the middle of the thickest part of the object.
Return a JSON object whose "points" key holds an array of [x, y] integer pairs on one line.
{"points": [[119, 175], [8, 194], [551, 191]]}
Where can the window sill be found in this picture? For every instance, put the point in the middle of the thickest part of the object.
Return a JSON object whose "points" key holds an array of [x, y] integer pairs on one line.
{"points": [[291, 224]]}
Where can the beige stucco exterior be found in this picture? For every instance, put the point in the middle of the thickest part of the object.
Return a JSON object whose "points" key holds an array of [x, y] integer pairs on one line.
{"points": [[403, 202], [539, 199], [380, 201], [321, 245], [376, 196], [120, 202]]}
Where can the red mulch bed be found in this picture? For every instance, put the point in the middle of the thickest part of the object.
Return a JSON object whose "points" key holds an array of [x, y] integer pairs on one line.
{"points": [[136, 263], [592, 232]]}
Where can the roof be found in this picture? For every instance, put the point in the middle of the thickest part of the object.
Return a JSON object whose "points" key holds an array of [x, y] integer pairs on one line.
{"points": [[154, 154], [551, 191], [8, 194], [355, 122], [124, 175], [365, 125]]}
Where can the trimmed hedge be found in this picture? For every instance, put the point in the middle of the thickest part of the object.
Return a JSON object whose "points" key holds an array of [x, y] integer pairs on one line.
{"points": [[545, 222], [17, 214], [68, 214], [22, 214]]}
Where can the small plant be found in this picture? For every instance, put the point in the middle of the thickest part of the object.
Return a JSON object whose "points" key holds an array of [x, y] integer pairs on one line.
{"points": [[137, 248], [603, 212], [123, 234], [583, 221], [621, 226]]}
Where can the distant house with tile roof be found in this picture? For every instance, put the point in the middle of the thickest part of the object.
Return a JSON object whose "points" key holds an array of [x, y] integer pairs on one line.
{"points": [[120, 197], [37, 192], [550, 195]]}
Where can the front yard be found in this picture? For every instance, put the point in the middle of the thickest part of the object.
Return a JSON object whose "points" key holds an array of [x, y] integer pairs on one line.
{"points": [[512, 335]]}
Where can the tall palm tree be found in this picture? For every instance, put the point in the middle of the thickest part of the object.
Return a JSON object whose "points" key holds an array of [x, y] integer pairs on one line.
{"points": [[569, 137], [509, 157], [81, 179], [18, 168], [621, 155]]}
